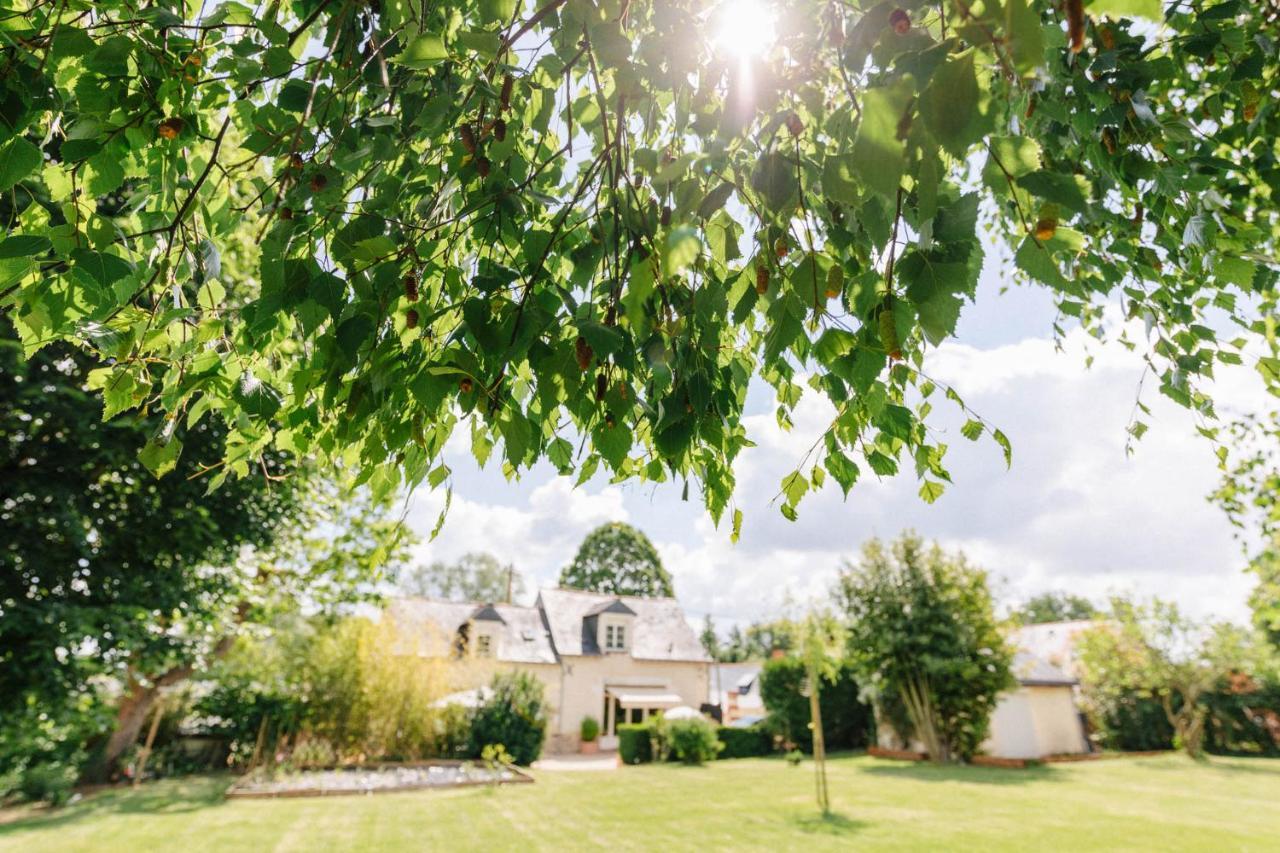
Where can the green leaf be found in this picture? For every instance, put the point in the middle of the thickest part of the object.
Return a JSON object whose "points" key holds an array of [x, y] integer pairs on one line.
{"points": [[877, 150], [930, 490], [1025, 35], [1034, 259], [24, 246], [612, 442], [774, 179], [679, 250], [639, 289], [1018, 155], [1238, 271], [1270, 369], [424, 51], [18, 159], [1150, 9], [1070, 191], [516, 435], [794, 487], [256, 397], [160, 455], [950, 105], [497, 11], [972, 429], [839, 178], [715, 200], [104, 268]]}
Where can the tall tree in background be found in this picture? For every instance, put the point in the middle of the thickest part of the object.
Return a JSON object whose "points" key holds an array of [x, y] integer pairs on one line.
{"points": [[101, 562], [477, 576], [709, 639], [352, 227], [113, 572], [923, 631], [618, 559], [761, 640], [1155, 650], [1054, 607]]}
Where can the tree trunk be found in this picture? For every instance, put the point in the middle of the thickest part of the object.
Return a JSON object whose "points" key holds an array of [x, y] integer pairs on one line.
{"points": [[919, 701], [139, 697], [150, 742], [1188, 722], [135, 704]]}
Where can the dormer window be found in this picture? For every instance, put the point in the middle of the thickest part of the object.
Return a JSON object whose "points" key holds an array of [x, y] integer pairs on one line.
{"points": [[609, 625], [615, 638]]}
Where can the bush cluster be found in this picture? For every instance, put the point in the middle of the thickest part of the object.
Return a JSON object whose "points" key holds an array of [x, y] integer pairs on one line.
{"points": [[847, 722], [515, 717], [693, 741], [746, 742]]}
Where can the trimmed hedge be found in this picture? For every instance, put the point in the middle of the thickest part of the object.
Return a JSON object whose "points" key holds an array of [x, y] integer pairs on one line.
{"points": [[847, 723], [633, 743], [745, 743]]}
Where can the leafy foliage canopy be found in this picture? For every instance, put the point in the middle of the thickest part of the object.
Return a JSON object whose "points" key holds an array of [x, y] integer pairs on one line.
{"points": [[579, 230]]}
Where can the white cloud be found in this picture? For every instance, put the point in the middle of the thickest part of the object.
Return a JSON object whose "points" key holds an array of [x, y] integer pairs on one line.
{"points": [[538, 535], [1074, 512]]}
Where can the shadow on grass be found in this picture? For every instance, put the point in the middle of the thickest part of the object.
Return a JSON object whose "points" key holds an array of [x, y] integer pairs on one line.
{"points": [[967, 773], [166, 797], [1229, 765], [831, 823]]}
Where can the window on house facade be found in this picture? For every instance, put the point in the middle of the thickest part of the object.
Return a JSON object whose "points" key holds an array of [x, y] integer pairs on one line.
{"points": [[484, 646], [615, 638]]}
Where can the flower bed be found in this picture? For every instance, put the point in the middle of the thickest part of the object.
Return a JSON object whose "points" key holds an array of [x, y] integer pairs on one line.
{"points": [[375, 779]]}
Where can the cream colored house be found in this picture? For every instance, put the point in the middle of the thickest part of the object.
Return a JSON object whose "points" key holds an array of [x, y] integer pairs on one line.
{"points": [[615, 658]]}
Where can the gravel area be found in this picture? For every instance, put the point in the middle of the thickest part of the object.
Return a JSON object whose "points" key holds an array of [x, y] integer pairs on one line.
{"points": [[371, 780]]}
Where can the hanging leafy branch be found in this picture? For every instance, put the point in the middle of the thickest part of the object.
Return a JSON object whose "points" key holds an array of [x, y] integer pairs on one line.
{"points": [[349, 227]]}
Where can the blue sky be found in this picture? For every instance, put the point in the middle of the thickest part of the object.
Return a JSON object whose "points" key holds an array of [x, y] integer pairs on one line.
{"points": [[1073, 513]]}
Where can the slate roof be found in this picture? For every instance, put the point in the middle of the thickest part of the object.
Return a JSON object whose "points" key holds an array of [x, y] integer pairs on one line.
{"points": [[524, 637], [1053, 642], [659, 631], [614, 605], [1032, 671]]}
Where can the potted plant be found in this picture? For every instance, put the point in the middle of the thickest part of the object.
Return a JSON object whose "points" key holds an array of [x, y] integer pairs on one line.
{"points": [[590, 731]]}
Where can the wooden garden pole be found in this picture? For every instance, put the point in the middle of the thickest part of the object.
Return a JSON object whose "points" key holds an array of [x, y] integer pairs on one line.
{"points": [[819, 741], [151, 739]]}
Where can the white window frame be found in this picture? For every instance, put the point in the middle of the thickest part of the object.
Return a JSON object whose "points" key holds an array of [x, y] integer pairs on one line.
{"points": [[484, 645], [615, 637]]}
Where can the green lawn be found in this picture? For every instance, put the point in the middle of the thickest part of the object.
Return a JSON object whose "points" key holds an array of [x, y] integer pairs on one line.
{"points": [[1164, 803]]}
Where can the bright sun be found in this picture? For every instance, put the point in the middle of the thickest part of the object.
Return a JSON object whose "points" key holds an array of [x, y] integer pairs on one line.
{"points": [[744, 28]]}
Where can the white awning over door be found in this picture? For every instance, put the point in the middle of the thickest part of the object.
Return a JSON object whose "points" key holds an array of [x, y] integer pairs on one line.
{"points": [[644, 697]]}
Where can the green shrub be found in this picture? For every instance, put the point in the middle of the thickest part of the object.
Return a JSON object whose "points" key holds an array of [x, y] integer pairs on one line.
{"points": [[847, 723], [50, 783], [694, 741], [314, 752], [794, 757], [633, 743], [590, 729], [1237, 722], [745, 743], [515, 716]]}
